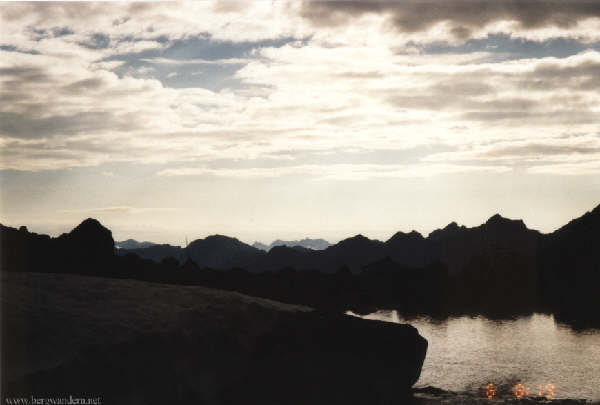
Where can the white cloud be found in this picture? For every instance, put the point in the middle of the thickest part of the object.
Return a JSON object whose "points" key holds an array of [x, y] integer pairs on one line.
{"points": [[115, 210], [346, 172], [346, 87]]}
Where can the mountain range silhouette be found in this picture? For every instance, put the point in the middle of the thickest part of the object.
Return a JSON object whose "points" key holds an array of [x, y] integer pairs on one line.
{"points": [[453, 245], [499, 268]]}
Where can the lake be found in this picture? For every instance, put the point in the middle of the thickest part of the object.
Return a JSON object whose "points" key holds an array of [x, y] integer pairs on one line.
{"points": [[466, 353]]}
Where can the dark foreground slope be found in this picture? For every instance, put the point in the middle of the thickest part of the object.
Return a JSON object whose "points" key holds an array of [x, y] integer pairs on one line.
{"points": [[136, 342]]}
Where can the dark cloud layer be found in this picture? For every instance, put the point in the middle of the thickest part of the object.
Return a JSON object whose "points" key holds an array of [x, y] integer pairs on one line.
{"points": [[562, 117], [503, 46], [27, 127], [539, 149], [464, 15]]}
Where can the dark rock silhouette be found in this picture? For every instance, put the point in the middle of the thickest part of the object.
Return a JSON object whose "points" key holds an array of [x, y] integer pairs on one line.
{"points": [[279, 257], [408, 248], [88, 242], [218, 251], [156, 253], [456, 246], [87, 249], [570, 270], [134, 342]]}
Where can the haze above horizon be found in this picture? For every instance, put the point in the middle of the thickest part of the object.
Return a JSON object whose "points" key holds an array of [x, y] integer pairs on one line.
{"points": [[284, 120]]}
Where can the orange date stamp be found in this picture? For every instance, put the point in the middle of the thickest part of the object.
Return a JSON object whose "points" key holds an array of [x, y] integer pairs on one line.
{"points": [[521, 390]]}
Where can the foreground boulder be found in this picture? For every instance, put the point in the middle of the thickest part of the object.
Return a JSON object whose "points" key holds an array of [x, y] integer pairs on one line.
{"points": [[133, 342]]}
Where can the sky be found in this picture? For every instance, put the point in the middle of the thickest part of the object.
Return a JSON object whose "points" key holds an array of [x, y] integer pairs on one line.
{"points": [[290, 119]]}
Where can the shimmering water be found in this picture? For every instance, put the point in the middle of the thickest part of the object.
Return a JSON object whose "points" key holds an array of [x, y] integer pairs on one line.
{"points": [[466, 353]]}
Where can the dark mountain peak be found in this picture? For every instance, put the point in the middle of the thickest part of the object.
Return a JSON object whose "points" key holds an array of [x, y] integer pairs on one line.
{"points": [[498, 220], [89, 224], [221, 238], [402, 236], [221, 252], [356, 240], [452, 226], [89, 239], [282, 250], [217, 239], [449, 230], [90, 230]]}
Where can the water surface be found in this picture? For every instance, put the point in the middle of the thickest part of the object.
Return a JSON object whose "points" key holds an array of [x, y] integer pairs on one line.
{"points": [[466, 353]]}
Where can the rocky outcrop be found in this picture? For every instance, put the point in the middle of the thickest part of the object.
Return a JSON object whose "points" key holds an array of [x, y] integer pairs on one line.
{"points": [[222, 252], [87, 249], [89, 243], [135, 342], [570, 271]]}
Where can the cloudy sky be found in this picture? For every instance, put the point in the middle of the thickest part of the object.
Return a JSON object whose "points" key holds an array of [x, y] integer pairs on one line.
{"points": [[265, 119]]}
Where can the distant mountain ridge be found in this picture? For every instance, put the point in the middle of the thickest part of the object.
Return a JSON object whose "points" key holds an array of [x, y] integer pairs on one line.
{"points": [[215, 251], [308, 243], [454, 246], [132, 244]]}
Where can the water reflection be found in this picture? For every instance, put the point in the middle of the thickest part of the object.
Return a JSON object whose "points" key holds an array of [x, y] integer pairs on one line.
{"points": [[466, 353]]}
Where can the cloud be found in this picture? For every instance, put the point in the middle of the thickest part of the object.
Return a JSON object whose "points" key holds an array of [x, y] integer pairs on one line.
{"points": [[80, 87], [346, 172], [115, 210], [99, 25], [462, 17], [310, 98], [24, 126], [576, 154]]}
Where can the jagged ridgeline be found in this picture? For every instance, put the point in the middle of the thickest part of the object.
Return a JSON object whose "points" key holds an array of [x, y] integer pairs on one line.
{"points": [[499, 268]]}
